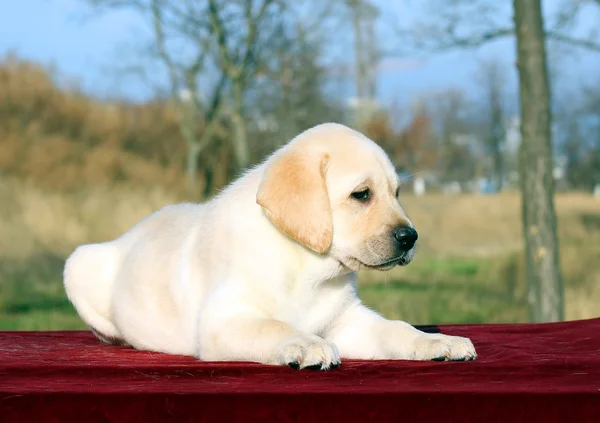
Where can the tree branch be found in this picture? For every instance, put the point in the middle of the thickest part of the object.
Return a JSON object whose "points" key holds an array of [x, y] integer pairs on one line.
{"points": [[451, 31], [252, 22], [219, 28], [478, 40], [114, 4], [217, 98], [473, 41], [157, 24], [576, 42]]}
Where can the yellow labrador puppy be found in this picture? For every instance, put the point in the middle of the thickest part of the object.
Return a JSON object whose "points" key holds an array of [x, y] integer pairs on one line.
{"points": [[265, 271]]}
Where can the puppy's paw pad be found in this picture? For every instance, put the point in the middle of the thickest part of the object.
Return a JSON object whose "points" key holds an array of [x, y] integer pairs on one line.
{"points": [[315, 367]]}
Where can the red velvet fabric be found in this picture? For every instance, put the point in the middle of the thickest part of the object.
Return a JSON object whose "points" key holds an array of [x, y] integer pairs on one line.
{"points": [[525, 373]]}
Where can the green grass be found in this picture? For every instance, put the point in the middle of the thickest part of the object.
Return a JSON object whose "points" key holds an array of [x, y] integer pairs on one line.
{"points": [[433, 291], [469, 267], [444, 290], [32, 296]]}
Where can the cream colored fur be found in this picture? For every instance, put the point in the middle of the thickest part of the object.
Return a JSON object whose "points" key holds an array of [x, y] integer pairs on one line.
{"points": [[266, 271]]}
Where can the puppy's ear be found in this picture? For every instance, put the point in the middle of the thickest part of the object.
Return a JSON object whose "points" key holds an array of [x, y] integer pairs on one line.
{"points": [[294, 197]]}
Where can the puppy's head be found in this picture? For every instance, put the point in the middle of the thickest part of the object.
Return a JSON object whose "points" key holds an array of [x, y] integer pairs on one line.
{"points": [[336, 192]]}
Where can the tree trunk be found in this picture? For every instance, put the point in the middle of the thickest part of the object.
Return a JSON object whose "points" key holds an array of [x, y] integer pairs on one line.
{"points": [[497, 135], [240, 139], [498, 170], [193, 154], [208, 181], [359, 49], [545, 286]]}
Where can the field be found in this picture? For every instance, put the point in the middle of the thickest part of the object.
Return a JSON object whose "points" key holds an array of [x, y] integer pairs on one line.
{"points": [[468, 267]]}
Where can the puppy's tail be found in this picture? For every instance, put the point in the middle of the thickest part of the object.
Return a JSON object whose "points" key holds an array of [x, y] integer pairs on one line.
{"points": [[89, 277]]}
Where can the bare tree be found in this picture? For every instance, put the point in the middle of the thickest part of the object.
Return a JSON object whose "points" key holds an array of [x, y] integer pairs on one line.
{"points": [[290, 96], [578, 131], [449, 111], [245, 31], [366, 56], [453, 27], [225, 44], [198, 110], [545, 293], [592, 108], [493, 82]]}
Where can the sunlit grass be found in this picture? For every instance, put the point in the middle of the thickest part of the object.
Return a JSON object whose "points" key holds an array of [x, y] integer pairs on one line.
{"points": [[468, 269]]}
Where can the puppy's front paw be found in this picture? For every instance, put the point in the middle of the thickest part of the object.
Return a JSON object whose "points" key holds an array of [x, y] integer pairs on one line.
{"points": [[440, 347], [307, 352]]}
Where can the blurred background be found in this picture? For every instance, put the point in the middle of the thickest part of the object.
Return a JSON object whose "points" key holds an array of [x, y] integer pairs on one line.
{"points": [[110, 109]]}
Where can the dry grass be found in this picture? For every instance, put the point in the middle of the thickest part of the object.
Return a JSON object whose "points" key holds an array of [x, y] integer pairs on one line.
{"points": [[74, 170], [34, 220], [468, 269], [61, 139], [39, 229]]}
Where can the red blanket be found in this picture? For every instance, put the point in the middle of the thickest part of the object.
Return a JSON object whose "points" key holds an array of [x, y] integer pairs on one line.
{"points": [[525, 373]]}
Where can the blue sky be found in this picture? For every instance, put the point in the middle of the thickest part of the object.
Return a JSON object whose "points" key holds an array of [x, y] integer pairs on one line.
{"points": [[86, 47]]}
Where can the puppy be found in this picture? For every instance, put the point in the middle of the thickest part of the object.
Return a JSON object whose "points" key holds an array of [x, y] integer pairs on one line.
{"points": [[266, 271]]}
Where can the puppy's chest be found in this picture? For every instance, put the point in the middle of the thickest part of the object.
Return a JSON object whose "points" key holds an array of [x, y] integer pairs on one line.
{"points": [[313, 310]]}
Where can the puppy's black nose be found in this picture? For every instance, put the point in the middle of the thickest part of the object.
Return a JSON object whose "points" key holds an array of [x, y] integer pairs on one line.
{"points": [[406, 237]]}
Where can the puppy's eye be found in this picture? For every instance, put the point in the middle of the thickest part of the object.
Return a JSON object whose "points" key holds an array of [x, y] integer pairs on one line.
{"points": [[398, 191], [362, 195]]}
